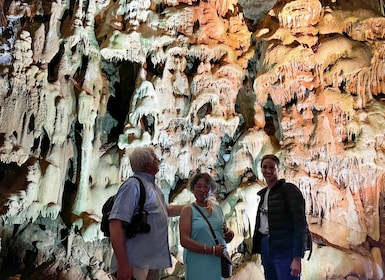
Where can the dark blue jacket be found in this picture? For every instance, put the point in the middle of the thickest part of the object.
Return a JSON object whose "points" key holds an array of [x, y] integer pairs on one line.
{"points": [[286, 217]]}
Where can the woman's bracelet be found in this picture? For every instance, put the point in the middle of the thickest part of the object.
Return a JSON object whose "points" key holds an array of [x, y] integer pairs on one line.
{"points": [[213, 250]]}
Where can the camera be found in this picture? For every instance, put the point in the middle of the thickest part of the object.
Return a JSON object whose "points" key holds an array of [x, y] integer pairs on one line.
{"points": [[138, 224]]}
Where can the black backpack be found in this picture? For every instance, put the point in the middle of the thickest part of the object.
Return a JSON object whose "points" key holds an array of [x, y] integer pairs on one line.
{"points": [[107, 207]]}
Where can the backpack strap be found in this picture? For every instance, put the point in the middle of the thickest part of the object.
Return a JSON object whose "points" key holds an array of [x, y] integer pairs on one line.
{"points": [[142, 197]]}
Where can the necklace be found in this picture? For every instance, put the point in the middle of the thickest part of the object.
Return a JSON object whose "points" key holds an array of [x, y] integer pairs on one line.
{"points": [[208, 206]]}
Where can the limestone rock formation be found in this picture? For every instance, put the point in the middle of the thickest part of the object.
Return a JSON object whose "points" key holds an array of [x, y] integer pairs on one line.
{"points": [[213, 86]]}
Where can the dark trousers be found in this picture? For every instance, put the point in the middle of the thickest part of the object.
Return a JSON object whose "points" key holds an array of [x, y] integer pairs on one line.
{"points": [[276, 263]]}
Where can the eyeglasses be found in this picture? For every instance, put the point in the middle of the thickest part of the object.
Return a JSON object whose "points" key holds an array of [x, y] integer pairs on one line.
{"points": [[156, 158], [202, 186]]}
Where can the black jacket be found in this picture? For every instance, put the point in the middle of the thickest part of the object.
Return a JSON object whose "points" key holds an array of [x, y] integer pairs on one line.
{"points": [[286, 217]]}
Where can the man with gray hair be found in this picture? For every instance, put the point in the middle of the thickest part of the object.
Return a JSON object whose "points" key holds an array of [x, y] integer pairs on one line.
{"points": [[144, 255]]}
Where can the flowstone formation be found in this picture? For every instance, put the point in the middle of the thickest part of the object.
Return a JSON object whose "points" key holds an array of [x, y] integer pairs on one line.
{"points": [[213, 86]]}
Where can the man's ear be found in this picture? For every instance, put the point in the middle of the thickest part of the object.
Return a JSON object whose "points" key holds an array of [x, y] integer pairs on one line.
{"points": [[147, 166]]}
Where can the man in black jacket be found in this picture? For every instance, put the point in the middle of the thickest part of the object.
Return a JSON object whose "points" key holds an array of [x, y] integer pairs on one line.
{"points": [[280, 230]]}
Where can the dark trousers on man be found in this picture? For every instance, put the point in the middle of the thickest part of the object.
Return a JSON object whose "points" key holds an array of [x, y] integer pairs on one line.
{"points": [[276, 263]]}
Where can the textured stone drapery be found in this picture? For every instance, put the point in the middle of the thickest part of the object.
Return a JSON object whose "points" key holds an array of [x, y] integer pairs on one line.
{"points": [[212, 85]]}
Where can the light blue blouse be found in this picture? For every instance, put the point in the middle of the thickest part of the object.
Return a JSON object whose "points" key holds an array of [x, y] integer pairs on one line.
{"points": [[202, 266]]}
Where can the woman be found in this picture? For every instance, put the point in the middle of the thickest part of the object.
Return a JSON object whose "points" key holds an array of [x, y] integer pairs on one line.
{"points": [[280, 230], [202, 255]]}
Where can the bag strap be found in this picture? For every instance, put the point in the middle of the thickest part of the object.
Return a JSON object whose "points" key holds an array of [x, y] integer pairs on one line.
{"points": [[142, 196], [208, 223]]}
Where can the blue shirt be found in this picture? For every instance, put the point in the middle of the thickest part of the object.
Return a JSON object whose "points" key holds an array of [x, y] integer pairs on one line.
{"points": [[145, 250]]}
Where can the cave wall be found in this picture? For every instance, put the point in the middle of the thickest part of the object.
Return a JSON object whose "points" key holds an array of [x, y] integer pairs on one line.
{"points": [[212, 85]]}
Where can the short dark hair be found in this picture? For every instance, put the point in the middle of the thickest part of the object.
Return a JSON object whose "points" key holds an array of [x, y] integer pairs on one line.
{"points": [[272, 157], [205, 176]]}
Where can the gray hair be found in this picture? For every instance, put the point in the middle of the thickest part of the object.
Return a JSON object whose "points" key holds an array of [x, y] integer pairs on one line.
{"points": [[206, 177], [139, 157]]}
